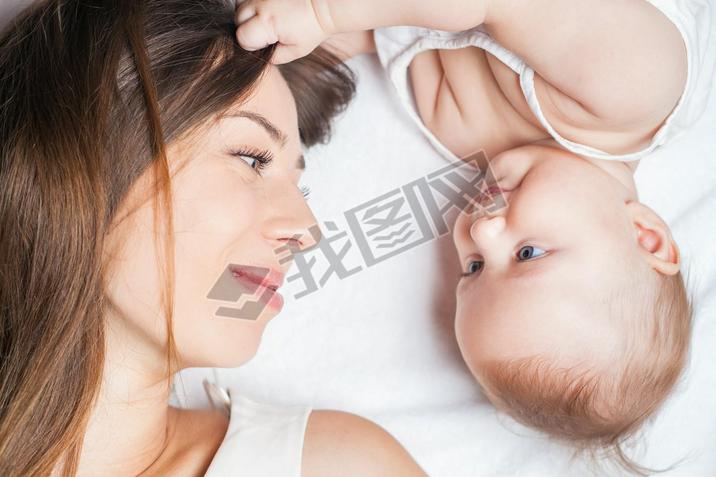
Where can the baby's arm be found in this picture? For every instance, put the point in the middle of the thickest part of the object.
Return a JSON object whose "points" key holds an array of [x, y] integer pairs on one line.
{"points": [[348, 45], [299, 26], [616, 67], [607, 72]]}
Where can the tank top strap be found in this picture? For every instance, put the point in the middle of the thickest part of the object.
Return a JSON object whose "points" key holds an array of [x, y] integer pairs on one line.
{"points": [[262, 440]]}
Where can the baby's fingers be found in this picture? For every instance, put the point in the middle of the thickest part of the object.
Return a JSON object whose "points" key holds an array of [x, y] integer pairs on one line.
{"points": [[245, 9], [255, 33], [291, 24]]}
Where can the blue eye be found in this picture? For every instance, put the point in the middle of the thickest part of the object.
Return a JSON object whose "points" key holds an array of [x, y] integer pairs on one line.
{"points": [[473, 267], [528, 252]]}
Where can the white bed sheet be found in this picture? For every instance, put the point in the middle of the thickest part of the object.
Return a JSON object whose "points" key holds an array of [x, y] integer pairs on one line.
{"points": [[380, 343]]}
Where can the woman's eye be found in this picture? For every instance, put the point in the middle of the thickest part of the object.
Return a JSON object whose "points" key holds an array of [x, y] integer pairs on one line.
{"points": [[473, 267], [251, 161], [254, 158], [528, 252]]}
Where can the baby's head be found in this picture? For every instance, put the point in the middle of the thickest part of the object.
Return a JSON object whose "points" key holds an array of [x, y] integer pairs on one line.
{"points": [[572, 313]]}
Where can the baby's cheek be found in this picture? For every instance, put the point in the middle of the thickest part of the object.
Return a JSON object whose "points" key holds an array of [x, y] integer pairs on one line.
{"points": [[468, 334]]}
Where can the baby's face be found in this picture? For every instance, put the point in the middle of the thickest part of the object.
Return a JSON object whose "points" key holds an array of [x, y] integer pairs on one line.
{"points": [[541, 273]]}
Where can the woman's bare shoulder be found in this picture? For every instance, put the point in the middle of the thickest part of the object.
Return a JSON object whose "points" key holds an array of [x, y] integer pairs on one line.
{"points": [[340, 443]]}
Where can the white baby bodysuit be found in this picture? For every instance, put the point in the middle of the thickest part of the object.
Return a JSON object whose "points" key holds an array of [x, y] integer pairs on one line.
{"points": [[397, 46]]}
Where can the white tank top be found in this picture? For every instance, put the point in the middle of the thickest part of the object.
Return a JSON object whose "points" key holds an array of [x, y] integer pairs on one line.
{"points": [[262, 440]]}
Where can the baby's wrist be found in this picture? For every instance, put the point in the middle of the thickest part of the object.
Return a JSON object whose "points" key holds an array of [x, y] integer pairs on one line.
{"points": [[323, 10], [342, 16]]}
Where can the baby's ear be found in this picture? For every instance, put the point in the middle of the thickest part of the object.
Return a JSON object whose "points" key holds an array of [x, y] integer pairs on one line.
{"points": [[654, 239]]}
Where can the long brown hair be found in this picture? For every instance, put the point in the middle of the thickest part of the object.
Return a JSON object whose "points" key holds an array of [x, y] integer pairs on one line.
{"points": [[91, 92]]}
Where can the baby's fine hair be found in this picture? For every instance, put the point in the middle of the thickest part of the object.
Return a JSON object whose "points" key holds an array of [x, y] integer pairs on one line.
{"points": [[598, 411]]}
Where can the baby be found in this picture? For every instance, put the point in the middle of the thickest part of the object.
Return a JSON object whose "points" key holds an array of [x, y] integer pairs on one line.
{"points": [[572, 312]]}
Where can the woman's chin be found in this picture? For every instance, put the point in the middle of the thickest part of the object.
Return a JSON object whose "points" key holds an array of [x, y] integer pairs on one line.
{"points": [[226, 349]]}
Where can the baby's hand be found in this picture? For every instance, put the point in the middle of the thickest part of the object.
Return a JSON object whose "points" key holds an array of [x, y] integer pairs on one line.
{"points": [[298, 26]]}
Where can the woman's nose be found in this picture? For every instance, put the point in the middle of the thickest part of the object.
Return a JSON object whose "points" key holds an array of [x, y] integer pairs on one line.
{"points": [[291, 222]]}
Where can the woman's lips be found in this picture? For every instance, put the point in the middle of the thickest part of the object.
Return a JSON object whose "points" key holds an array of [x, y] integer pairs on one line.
{"points": [[262, 281]]}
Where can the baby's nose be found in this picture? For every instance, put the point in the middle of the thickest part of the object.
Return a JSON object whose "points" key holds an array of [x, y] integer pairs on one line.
{"points": [[486, 229]]}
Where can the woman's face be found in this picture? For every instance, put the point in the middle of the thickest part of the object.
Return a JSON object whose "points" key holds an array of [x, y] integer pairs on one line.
{"points": [[236, 204]]}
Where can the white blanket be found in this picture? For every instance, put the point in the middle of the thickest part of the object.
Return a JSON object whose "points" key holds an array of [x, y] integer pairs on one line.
{"points": [[380, 343]]}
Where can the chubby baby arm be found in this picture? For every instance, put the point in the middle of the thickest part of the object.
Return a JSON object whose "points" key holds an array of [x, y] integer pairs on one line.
{"points": [[299, 26], [607, 72], [605, 64]]}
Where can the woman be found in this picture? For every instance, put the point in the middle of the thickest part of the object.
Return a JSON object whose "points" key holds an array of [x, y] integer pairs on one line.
{"points": [[144, 154]]}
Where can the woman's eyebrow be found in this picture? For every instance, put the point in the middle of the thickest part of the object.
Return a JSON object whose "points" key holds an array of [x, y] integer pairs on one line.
{"points": [[275, 133]]}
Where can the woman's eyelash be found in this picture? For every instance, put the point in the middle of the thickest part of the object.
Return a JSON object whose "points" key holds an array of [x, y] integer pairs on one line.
{"points": [[262, 157]]}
